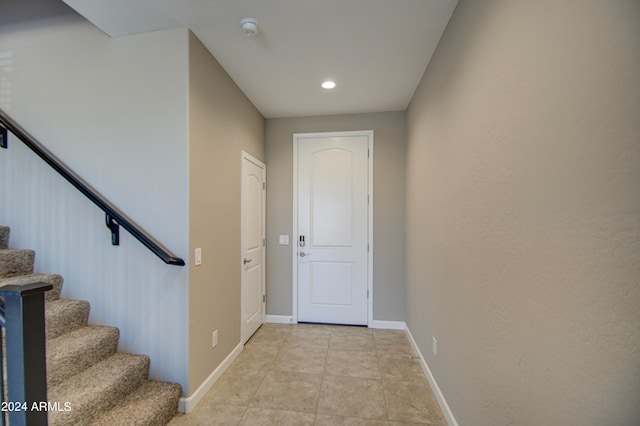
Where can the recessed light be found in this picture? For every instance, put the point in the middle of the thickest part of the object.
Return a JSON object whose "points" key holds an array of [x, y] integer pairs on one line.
{"points": [[328, 84]]}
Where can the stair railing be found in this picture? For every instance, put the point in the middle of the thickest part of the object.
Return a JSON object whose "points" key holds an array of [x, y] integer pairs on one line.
{"points": [[23, 373], [114, 218]]}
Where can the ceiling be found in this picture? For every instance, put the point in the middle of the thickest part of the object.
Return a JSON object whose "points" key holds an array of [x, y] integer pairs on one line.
{"points": [[375, 50]]}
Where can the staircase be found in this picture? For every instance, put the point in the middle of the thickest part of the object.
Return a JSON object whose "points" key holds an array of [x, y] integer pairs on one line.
{"points": [[84, 369]]}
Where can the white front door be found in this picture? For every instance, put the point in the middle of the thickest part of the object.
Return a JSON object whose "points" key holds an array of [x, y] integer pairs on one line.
{"points": [[252, 246], [333, 227]]}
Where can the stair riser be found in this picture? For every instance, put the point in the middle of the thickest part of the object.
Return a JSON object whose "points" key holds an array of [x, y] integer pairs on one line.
{"points": [[76, 351], [16, 262], [4, 237], [152, 404], [63, 316], [121, 379]]}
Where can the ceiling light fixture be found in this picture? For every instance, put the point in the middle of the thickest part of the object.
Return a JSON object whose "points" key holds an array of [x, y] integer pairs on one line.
{"points": [[328, 84], [249, 26]]}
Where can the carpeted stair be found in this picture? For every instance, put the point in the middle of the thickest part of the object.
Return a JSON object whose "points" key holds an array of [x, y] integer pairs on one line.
{"points": [[103, 386]]}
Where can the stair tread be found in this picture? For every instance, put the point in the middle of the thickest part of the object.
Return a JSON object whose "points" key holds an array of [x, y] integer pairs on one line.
{"points": [[65, 315], [98, 388], [153, 403], [53, 279], [79, 349], [16, 262]]}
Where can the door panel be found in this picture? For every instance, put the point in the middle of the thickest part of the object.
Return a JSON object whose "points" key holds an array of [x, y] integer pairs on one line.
{"points": [[333, 182], [331, 284], [252, 260]]}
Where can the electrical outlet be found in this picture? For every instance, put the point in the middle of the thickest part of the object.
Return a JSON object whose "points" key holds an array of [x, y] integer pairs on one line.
{"points": [[197, 257], [214, 339], [435, 346]]}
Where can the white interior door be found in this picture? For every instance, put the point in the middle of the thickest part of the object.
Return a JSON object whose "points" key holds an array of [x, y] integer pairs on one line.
{"points": [[333, 224], [252, 246]]}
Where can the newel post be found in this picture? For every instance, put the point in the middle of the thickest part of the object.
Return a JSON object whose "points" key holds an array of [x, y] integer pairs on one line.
{"points": [[24, 326]]}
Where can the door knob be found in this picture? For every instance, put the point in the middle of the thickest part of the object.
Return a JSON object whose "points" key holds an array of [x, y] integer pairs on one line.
{"points": [[303, 254], [245, 261]]}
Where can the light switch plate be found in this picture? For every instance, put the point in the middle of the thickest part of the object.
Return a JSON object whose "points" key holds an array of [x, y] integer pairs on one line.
{"points": [[283, 240], [198, 257]]}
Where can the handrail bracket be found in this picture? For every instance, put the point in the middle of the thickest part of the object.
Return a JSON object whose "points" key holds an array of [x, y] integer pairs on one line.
{"points": [[115, 229], [4, 137]]}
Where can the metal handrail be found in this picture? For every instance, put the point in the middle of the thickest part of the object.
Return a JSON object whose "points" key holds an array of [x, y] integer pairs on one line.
{"points": [[114, 217]]}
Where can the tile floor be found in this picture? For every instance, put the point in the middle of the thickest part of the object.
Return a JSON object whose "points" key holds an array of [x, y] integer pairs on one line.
{"points": [[320, 375]]}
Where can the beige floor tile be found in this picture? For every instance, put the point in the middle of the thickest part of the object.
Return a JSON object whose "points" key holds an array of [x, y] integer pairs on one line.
{"points": [[269, 336], [257, 357], [308, 360], [352, 341], [283, 390], [309, 337], [337, 375], [326, 420], [277, 325], [307, 326], [400, 368], [210, 414], [412, 402], [268, 417], [384, 332], [341, 330], [236, 386], [392, 341], [352, 364], [352, 397]]}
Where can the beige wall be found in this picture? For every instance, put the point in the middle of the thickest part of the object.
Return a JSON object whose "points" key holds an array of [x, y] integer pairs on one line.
{"points": [[523, 213], [222, 123], [389, 200]]}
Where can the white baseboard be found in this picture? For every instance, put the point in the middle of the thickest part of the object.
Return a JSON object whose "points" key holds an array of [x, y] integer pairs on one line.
{"points": [[279, 319], [448, 414], [389, 325], [186, 405]]}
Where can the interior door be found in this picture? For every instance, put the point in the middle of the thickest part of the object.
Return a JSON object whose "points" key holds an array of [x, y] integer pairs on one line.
{"points": [[332, 237], [252, 245]]}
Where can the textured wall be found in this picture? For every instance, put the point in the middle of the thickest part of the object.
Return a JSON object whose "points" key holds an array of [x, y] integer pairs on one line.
{"points": [[222, 123], [523, 213], [115, 111], [389, 160]]}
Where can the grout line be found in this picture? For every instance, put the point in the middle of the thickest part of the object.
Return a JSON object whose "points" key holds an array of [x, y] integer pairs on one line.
{"points": [[324, 373], [384, 396], [269, 370]]}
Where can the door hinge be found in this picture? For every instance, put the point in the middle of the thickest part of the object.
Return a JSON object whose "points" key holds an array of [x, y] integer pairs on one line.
{"points": [[264, 186], [367, 247], [367, 293], [264, 242], [264, 298], [368, 152]]}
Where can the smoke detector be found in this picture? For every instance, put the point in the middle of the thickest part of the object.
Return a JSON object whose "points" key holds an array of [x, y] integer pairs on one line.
{"points": [[249, 26]]}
